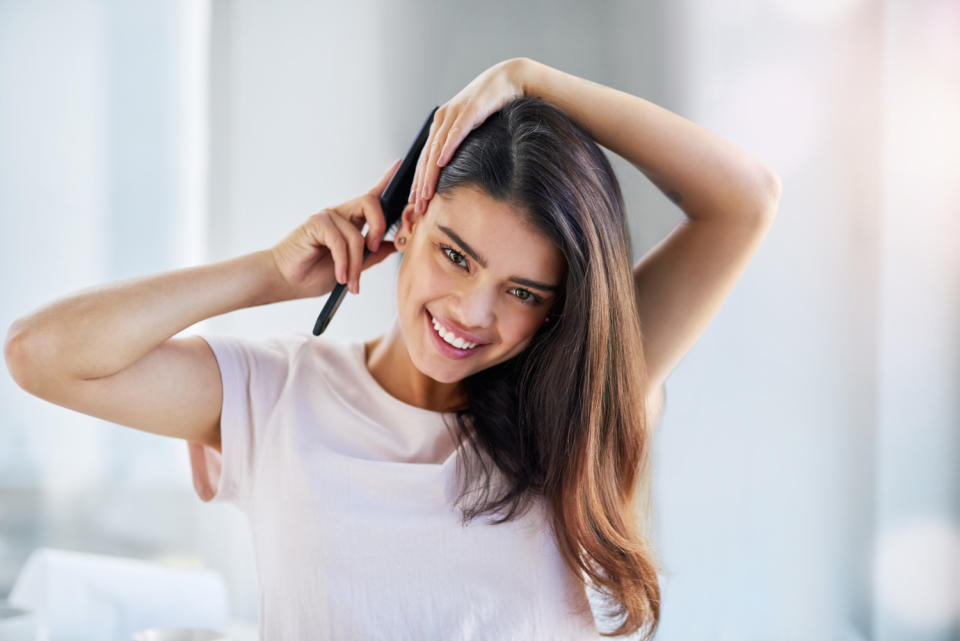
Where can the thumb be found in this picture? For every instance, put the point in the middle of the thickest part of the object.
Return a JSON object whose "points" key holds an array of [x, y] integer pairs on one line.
{"points": [[381, 186]]}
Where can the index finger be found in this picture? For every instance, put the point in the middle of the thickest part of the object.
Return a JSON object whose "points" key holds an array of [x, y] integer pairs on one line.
{"points": [[442, 141], [418, 173], [432, 150]]}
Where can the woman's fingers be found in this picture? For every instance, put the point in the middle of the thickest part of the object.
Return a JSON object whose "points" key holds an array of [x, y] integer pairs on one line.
{"points": [[454, 138], [302, 257], [451, 129], [431, 170], [349, 220], [430, 160], [422, 159], [354, 245], [367, 209], [456, 118], [325, 230], [415, 187]]}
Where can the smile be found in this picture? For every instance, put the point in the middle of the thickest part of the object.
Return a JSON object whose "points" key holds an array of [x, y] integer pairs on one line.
{"points": [[452, 338], [449, 343]]}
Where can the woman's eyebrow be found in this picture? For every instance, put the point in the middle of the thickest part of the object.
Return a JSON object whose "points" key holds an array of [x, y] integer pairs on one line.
{"points": [[473, 254]]}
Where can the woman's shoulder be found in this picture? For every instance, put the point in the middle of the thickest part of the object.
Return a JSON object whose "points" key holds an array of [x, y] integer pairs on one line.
{"points": [[281, 352]]}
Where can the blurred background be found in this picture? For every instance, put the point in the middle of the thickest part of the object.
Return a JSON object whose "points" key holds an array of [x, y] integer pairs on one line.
{"points": [[807, 483]]}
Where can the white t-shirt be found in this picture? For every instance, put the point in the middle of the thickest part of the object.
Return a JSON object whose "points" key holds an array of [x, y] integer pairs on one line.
{"points": [[349, 494]]}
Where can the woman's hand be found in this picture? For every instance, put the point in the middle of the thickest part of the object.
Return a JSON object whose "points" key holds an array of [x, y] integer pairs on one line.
{"points": [[460, 115], [328, 248]]}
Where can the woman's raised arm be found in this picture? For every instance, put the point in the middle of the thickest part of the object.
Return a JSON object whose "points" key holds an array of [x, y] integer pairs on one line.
{"points": [[99, 331], [107, 351], [729, 197], [706, 175]]}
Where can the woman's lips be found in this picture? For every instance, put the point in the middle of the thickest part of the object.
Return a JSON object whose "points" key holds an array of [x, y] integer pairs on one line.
{"points": [[462, 333], [443, 346]]}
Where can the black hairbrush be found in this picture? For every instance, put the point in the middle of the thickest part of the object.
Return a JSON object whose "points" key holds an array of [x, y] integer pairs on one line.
{"points": [[393, 201]]}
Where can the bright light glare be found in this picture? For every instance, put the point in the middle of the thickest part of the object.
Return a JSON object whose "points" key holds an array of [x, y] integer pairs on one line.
{"points": [[817, 11], [917, 572]]}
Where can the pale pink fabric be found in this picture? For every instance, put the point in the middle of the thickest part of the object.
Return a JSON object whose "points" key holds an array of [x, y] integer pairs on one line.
{"points": [[349, 492]]}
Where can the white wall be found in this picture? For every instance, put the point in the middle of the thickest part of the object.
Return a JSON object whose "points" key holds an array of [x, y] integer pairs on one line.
{"points": [[297, 99], [765, 466], [917, 449], [102, 177]]}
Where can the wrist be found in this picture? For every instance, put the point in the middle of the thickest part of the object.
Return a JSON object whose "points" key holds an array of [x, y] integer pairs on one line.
{"points": [[529, 75], [272, 287]]}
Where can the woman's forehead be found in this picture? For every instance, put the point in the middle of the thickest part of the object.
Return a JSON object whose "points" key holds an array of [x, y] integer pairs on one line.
{"points": [[469, 207]]}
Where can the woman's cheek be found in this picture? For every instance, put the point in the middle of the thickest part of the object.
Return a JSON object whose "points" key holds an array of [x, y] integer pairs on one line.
{"points": [[425, 278], [436, 279]]}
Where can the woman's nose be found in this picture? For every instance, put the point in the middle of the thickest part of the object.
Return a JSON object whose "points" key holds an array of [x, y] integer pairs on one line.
{"points": [[477, 308]]}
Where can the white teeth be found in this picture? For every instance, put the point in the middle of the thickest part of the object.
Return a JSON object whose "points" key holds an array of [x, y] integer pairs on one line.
{"points": [[450, 337]]}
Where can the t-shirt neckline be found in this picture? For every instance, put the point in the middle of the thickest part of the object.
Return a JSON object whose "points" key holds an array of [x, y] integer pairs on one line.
{"points": [[357, 349]]}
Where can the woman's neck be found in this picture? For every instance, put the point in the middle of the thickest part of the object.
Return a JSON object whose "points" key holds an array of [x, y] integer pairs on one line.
{"points": [[388, 361]]}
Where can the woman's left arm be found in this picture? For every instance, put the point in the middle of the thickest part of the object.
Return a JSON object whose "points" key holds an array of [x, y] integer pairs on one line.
{"points": [[707, 176], [728, 196]]}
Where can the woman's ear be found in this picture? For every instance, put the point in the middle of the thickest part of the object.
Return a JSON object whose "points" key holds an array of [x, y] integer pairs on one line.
{"points": [[409, 219]]}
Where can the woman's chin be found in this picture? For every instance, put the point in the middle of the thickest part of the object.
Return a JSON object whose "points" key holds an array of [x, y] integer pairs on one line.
{"points": [[426, 364], [438, 373]]}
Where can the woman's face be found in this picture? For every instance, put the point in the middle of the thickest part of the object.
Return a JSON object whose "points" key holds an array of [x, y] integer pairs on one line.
{"points": [[475, 266]]}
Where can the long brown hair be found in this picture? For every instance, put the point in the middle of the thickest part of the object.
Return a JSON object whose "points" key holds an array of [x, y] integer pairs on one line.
{"points": [[565, 420]]}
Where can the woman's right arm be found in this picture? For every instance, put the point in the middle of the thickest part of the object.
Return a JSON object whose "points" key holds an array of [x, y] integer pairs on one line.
{"points": [[108, 352], [99, 331]]}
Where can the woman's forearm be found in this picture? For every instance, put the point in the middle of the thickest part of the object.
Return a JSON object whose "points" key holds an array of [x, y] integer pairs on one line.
{"points": [[99, 331], [707, 176]]}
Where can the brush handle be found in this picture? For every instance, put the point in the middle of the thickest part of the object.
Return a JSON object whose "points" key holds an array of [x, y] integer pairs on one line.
{"points": [[392, 202]]}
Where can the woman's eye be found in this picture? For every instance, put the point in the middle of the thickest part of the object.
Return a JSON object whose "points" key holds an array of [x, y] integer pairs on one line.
{"points": [[529, 299], [455, 257], [448, 251]]}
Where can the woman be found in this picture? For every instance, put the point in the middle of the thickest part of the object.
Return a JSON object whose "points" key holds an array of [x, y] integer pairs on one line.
{"points": [[524, 344]]}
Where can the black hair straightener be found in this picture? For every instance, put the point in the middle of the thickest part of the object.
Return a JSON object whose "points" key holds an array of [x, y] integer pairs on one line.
{"points": [[392, 202]]}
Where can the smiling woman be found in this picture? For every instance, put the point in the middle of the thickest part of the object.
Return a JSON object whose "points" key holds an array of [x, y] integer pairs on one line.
{"points": [[523, 262], [357, 464]]}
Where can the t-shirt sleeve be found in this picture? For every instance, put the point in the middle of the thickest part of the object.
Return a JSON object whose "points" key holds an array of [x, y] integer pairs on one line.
{"points": [[253, 374]]}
